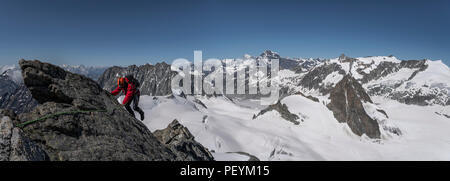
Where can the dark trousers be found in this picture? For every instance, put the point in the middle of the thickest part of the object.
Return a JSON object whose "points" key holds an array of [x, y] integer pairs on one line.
{"points": [[135, 101]]}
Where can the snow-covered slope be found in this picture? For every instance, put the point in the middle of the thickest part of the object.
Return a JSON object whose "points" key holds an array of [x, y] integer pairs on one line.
{"points": [[241, 129], [428, 86], [228, 127]]}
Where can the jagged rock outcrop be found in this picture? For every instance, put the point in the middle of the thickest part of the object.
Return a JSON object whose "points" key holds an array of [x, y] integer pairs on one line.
{"points": [[19, 100], [155, 79], [8, 85], [14, 95], [347, 105], [14, 144], [283, 110], [182, 143], [92, 126]]}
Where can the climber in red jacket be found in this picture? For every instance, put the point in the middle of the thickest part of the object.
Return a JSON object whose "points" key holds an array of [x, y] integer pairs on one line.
{"points": [[130, 86]]}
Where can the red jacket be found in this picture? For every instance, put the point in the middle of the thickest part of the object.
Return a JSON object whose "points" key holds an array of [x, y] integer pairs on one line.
{"points": [[129, 91]]}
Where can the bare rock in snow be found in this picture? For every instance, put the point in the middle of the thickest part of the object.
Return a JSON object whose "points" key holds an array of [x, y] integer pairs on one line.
{"points": [[182, 143], [346, 104]]}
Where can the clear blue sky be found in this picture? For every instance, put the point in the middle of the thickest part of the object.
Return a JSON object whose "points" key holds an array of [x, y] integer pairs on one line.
{"points": [[110, 32]]}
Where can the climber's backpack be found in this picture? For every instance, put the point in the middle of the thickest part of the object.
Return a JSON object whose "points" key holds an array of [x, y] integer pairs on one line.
{"points": [[132, 80]]}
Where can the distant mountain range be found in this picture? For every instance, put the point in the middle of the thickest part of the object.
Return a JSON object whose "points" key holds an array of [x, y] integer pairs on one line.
{"points": [[378, 107], [420, 82]]}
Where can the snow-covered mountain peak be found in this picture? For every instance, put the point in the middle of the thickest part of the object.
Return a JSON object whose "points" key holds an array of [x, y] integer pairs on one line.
{"points": [[247, 56], [377, 59], [270, 54], [12, 72]]}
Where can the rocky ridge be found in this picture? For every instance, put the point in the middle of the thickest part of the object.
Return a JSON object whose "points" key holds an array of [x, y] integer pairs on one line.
{"points": [[83, 121]]}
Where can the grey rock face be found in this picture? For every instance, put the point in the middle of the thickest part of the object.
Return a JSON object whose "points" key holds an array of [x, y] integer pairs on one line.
{"points": [[6, 126], [8, 85], [182, 143], [346, 104], [315, 77], [90, 135], [14, 144], [14, 95], [155, 79], [20, 100]]}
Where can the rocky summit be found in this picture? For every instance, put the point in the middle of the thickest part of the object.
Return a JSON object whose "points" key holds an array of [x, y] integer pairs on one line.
{"points": [[80, 121], [347, 99]]}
